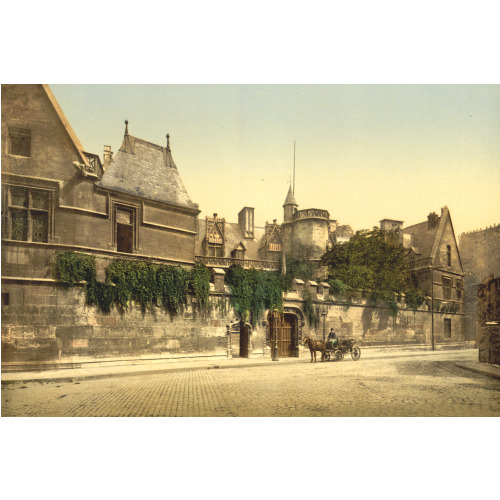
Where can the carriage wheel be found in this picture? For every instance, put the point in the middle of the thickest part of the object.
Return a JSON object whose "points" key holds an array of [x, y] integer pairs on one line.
{"points": [[339, 355], [355, 353]]}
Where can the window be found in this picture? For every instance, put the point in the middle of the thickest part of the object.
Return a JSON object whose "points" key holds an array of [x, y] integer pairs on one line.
{"points": [[5, 299], [214, 243], [447, 328], [460, 287], [447, 288], [214, 250], [28, 214], [448, 255], [20, 141], [125, 222]]}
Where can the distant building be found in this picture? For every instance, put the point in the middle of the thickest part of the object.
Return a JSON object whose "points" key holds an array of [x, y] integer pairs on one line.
{"points": [[480, 253], [304, 234], [489, 320]]}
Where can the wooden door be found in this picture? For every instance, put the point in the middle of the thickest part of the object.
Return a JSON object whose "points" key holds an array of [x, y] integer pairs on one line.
{"points": [[124, 238], [283, 328]]}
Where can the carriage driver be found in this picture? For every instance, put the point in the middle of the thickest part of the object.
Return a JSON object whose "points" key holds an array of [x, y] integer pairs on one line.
{"points": [[332, 338]]}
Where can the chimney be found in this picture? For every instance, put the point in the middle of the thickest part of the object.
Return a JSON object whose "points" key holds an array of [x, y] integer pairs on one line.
{"points": [[246, 221], [432, 220], [107, 156]]}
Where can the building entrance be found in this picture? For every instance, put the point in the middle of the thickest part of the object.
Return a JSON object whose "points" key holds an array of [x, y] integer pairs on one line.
{"points": [[283, 327]]}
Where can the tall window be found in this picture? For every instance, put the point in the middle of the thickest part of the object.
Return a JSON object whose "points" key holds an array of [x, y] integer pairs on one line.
{"points": [[447, 288], [20, 141], [125, 222], [28, 214], [447, 328], [448, 255], [460, 287]]}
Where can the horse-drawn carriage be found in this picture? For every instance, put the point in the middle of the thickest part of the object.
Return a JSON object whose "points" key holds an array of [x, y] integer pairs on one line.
{"points": [[333, 351]]}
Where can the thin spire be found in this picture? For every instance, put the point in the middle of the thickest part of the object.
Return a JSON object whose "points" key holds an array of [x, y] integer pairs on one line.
{"points": [[290, 198], [169, 161], [293, 167], [127, 143]]}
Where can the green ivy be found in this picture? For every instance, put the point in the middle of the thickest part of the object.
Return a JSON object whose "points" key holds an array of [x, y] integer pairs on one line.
{"points": [[309, 311], [100, 294], [126, 280], [253, 291], [414, 298], [200, 283], [338, 287], [74, 267]]}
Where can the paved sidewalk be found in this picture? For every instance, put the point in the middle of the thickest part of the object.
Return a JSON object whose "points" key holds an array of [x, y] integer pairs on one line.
{"points": [[176, 365]]}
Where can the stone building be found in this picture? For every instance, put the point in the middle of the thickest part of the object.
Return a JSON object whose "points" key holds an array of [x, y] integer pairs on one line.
{"points": [[58, 197], [304, 234], [134, 206], [480, 254], [489, 320], [435, 262]]}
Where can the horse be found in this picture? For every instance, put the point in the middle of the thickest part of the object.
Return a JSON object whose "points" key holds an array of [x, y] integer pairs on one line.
{"points": [[315, 345]]}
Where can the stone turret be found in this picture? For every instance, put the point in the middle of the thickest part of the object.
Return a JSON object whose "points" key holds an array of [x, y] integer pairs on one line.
{"points": [[289, 207]]}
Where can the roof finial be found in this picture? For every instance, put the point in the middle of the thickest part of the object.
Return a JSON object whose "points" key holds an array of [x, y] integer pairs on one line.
{"points": [[168, 141], [126, 127]]}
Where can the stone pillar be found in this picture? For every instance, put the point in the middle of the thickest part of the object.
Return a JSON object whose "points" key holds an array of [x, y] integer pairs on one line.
{"points": [[218, 279], [312, 286], [324, 290], [298, 286]]}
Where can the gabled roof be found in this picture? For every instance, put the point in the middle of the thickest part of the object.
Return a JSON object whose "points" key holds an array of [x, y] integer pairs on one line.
{"points": [[148, 170], [233, 238], [424, 240], [290, 198], [65, 122]]}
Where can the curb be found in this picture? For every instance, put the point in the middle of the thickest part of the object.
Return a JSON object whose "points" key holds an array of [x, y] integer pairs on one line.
{"points": [[158, 371], [211, 366], [481, 370]]}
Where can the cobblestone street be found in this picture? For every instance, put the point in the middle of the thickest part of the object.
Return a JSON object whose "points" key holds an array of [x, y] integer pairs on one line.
{"points": [[388, 386]]}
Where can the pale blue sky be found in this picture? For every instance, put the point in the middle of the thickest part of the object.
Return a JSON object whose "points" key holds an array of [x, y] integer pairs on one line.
{"points": [[364, 152]]}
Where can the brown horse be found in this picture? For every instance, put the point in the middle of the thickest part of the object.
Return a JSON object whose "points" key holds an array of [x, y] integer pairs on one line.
{"points": [[315, 345]]}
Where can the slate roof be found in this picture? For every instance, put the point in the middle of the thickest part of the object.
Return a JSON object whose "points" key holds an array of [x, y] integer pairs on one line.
{"points": [[425, 241], [148, 170], [290, 198]]}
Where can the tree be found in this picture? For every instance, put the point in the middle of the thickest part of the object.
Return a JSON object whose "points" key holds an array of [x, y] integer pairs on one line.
{"points": [[372, 261]]}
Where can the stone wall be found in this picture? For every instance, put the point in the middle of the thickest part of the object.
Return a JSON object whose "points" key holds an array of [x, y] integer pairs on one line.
{"points": [[480, 255], [38, 314]]}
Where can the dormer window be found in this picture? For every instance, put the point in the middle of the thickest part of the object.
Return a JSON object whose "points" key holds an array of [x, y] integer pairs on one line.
{"points": [[20, 141], [274, 246], [238, 252], [214, 240]]}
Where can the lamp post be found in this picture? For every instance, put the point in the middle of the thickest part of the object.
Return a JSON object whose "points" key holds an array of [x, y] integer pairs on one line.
{"points": [[324, 314], [276, 355], [432, 308]]}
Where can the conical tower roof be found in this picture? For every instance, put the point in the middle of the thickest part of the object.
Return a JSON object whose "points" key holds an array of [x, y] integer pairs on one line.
{"points": [[290, 198]]}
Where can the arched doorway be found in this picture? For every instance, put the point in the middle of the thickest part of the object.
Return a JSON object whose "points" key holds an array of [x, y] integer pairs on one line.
{"points": [[283, 327]]}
